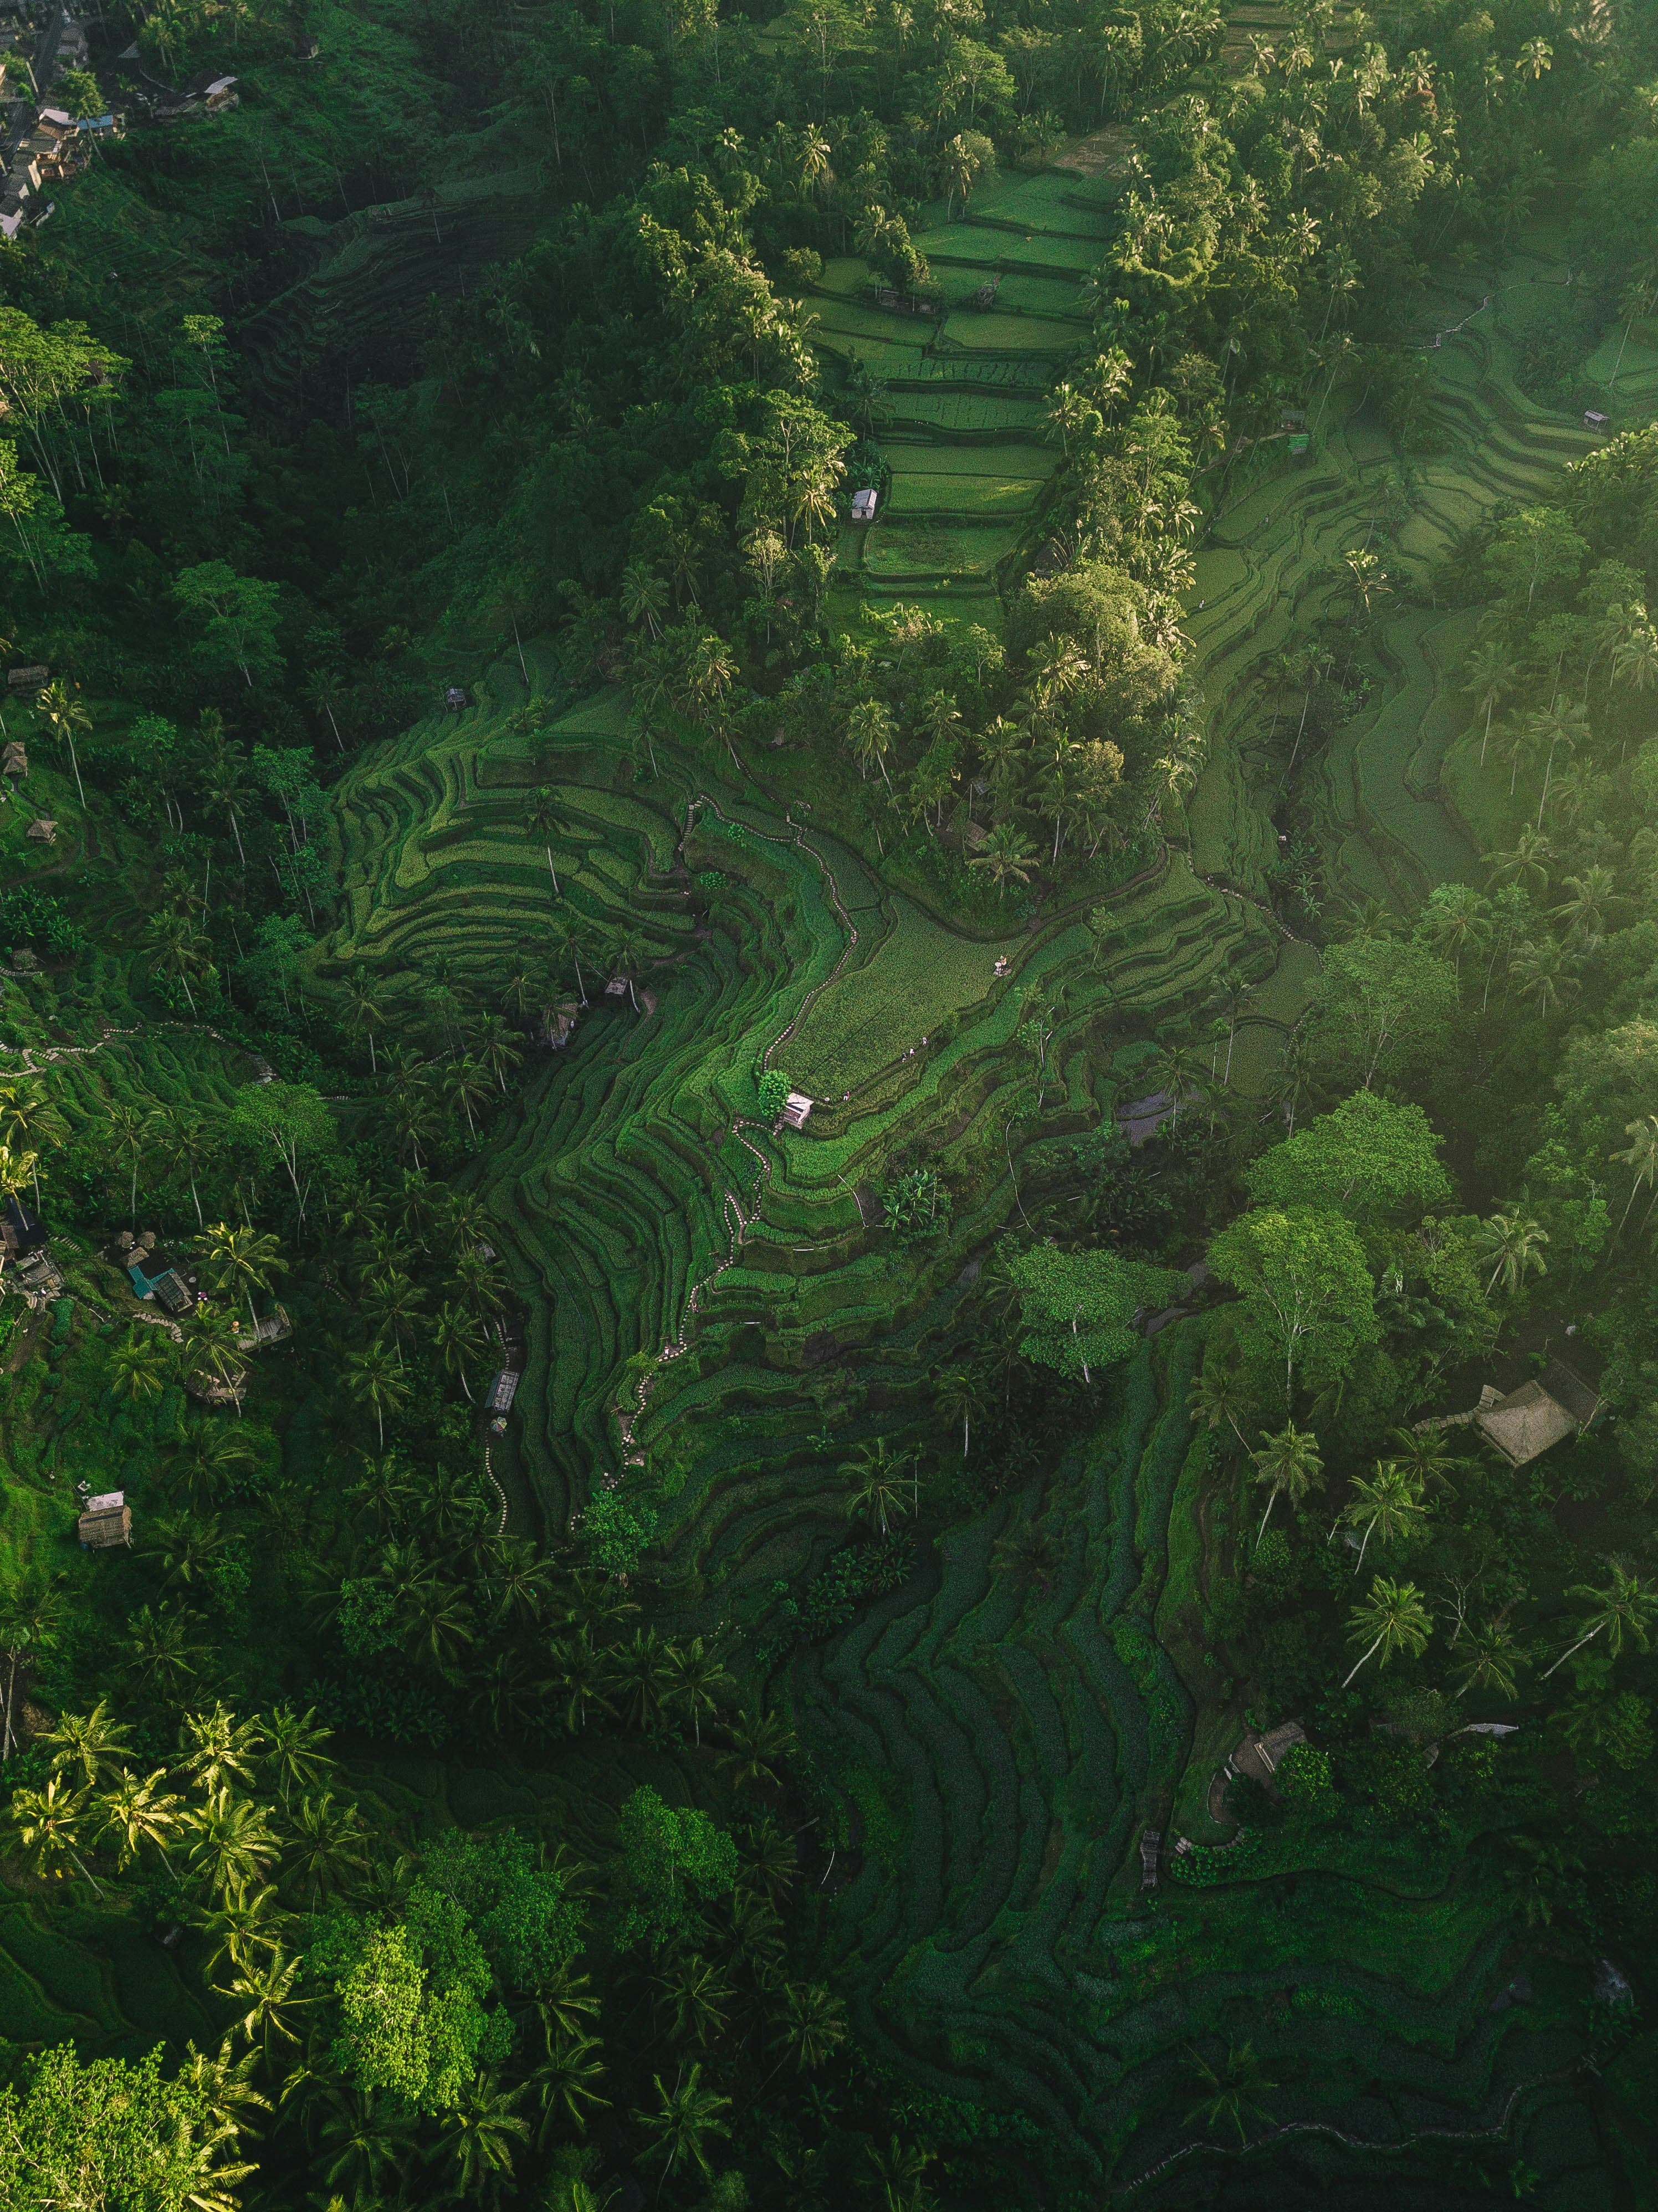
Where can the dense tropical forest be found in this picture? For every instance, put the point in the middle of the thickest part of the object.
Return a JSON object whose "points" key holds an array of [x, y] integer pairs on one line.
{"points": [[828, 1105]]}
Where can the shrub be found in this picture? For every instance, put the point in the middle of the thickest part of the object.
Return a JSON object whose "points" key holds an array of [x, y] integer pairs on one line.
{"points": [[916, 1206], [1306, 1780], [617, 1530], [29, 917]]}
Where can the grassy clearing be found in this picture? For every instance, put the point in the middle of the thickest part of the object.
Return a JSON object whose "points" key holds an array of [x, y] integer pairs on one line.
{"points": [[896, 550], [922, 975], [996, 332]]}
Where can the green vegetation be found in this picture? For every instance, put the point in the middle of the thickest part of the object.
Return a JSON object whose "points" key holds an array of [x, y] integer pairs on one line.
{"points": [[789, 1229]]}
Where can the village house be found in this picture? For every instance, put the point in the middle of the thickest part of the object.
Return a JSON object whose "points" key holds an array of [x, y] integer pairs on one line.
{"points": [[153, 1276], [26, 1266]]}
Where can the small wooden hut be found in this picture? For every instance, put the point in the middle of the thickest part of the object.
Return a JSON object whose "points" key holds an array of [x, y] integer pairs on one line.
{"points": [[105, 1521]]}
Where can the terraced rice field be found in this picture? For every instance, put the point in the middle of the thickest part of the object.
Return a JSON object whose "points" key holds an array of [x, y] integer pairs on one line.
{"points": [[1003, 1753], [995, 1755], [1270, 559], [970, 377]]}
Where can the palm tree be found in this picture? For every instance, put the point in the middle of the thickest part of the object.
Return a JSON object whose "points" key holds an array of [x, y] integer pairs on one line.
{"points": [[761, 1744], [814, 2025], [248, 1923], [958, 1395], [685, 2116], [1231, 2092], [496, 1048], [127, 1132], [567, 2080], [29, 1119], [1217, 1395], [478, 1283], [327, 1844], [191, 1142], [569, 932], [643, 1671], [701, 1678], [214, 1353], [630, 950], [50, 1826], [294, 1749], [1544, 972], [323, 694], [1592, 893], [1422, 1454], [1175, 1074], [1458, 920], [1641, 1159], [364, 1010], [1395, 1620], [1526, 864], [162, 1650], [1488, 677], [644, 597], [139, 1367], [391, 1299], [64, 713], [264, 1988], [16, 1170], [177, 940], [366, 2147], [1565, 723], [692, 1998], [234, 1845], [1368, 581], [1289, 1463], [374, 1375], [1513, 1242], [481, 2138], [460, 1341], [880, 1479], [583, 1675], [544, 821], [1625, 1603], [138, 1811], [1008, 854], [93, 1743], [227, 789], [221, 1749], [29, 1615], [870, 732], [1490, 1660], [466, 1085], [1388, 1504], [238, 1262]]}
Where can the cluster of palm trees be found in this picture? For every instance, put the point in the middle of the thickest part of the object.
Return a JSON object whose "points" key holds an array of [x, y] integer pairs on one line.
{"points": [[1391, 1505], [529, 1645], [247, 1825], [246, 1805], [389, 1240]]}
